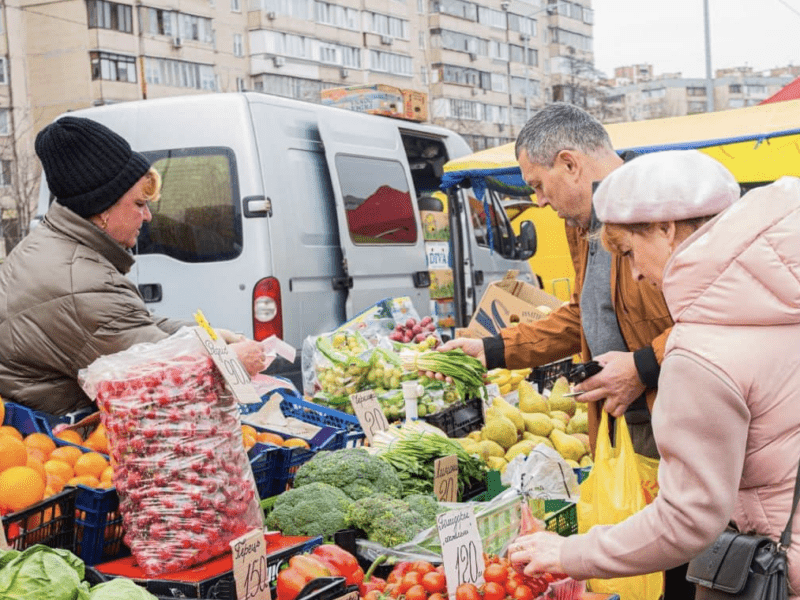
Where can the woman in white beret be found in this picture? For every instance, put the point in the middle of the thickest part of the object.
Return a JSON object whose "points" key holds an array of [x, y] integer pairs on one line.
{"points": [[727, 420]]}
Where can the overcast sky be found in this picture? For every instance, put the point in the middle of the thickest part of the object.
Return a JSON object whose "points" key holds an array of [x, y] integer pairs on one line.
{"points": [[669, 34]]}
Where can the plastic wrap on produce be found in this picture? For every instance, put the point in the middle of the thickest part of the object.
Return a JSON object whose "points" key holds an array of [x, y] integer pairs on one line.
{"points": [[180, 468]]}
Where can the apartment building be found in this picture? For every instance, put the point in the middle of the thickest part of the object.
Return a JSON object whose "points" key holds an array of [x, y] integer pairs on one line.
{"points": [[485, 64], [636, 94]]}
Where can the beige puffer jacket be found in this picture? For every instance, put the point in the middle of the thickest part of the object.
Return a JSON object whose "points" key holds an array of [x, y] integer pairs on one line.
{"points": [[64, 301]]}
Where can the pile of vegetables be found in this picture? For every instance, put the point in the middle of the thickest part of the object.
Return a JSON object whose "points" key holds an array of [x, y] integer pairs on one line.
{"points": [[412, 452], [44, 572]]}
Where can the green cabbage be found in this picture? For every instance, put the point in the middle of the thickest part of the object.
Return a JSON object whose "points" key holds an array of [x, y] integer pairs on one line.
{"points": [[42, 573], [119, 589]]}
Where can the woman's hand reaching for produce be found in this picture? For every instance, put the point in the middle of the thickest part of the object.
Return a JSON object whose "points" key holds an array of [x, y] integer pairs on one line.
{"points": [[251, 355], [537, 553]]}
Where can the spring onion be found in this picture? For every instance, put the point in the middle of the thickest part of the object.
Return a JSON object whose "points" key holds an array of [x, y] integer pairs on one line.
{"points": [[466, 372]]}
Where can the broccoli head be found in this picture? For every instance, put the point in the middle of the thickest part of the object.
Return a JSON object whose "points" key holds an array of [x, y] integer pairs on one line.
{"points": [[314, 509], [426, 505], [353, 470], [386, 520]]}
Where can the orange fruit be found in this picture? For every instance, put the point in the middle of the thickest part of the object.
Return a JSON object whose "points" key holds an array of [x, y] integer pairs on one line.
{"points": [[107, 474], [249, 430], [20, 487], [60, 469], [68, 435], [296, 443], [248, 440], [40, 441], [97, 440], [2, 410], [54, 483], [37, 465], [12, 431], [13, 453], [92, 464], [37, 454], [87, 480], [265, 437], [67, 454]]}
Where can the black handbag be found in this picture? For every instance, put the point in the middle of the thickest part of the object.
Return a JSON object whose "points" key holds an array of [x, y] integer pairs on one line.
{"points": [[739, 565]]}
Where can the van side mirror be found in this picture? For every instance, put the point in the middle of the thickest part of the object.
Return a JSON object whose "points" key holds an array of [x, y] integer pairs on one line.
{"points": [[526, 240]]}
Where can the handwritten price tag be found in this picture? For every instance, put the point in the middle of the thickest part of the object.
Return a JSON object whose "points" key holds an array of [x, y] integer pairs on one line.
{"points": [[369, 413], [250, 566], [3, 541], [462, 548], [232, 370], [445, 478]]}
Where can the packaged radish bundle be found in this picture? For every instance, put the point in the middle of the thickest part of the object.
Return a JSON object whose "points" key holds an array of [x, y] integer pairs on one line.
{"points": [[185, 485]]}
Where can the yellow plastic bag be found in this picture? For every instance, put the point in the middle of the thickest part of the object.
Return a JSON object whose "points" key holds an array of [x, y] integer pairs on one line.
{"points": [[613, 491]]}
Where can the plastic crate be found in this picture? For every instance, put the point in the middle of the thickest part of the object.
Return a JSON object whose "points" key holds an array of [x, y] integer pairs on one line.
{"points": [[98, 525], [21, 418], [50, 522], [457, 420], [546, 375], [269, 470], [325, 588], [561, 517], [292, 406]]}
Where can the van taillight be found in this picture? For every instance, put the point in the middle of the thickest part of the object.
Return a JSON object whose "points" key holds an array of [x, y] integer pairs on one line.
{"points": [[267, 313]]}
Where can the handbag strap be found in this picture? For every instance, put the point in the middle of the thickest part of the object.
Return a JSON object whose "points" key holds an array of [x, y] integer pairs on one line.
{"points": [[786, 536]]}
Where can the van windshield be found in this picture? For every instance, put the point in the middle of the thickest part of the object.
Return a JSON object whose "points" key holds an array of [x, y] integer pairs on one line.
{"points": [[198, 217]]}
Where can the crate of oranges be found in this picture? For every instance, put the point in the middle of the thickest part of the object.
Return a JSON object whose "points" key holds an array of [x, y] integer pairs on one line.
{"points": [[37, 508]]}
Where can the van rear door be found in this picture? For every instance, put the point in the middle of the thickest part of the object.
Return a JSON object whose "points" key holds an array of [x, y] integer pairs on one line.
{"points": [[379, 231]]}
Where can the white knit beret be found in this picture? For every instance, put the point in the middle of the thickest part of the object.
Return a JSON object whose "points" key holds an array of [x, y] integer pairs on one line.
{"points": [[665, 186]]}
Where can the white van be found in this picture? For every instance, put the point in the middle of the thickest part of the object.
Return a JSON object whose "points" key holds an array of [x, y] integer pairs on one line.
{"points": [[284, 217]]}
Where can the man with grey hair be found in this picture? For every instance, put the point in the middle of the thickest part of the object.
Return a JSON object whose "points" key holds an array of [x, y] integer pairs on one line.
{"points": [[563, 152]]}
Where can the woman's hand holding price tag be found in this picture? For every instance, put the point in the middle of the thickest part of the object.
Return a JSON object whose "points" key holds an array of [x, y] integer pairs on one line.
{"points": [[462, 548], [369, 413]]}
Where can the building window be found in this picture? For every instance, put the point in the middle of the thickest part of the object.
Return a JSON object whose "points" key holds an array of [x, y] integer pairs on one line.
{"points": [[299, 9], [522, 24], [236, 6], [110, 15], [386, 25], [570, 38], [113, 67], [195, 28], [456, 8], [461, 42], [423, 75], [421, 6], [4, 112], [240, 87], [388, 62], [492, 18], [695, 91], [517, 54], [337, 16], [289, 87], [334, 54], [519, 85], [735, 88], [3, 71], [5, 173], [238, 44], [755, 90], [178, 73]]}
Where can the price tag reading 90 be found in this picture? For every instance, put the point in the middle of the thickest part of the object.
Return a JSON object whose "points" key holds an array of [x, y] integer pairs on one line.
{"points": [[229, 366], [369, 413], [462, 548]]}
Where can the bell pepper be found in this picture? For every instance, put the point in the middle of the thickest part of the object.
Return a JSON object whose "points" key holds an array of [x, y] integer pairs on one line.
{"points": [[340, 562], [371, 582], [302, 569]]}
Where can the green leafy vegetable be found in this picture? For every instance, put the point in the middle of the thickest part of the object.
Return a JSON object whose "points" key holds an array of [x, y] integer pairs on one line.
{"points": [[466, 372], [313, 509], [43, 572], [353, 470], [119, 589]]}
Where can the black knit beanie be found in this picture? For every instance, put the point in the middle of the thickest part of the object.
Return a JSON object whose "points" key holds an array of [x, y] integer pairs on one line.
{"points": [[88, 167]]}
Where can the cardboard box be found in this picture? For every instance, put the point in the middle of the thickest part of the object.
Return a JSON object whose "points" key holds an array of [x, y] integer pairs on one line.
{"points": [[435, 225], [510, 301], [415, 105], [374, 99]]}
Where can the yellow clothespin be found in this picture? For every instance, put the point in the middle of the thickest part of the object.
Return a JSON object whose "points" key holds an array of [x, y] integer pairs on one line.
{"points": [[202, 322]]}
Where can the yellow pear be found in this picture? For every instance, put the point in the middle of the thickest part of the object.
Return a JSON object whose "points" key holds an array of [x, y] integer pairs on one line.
{"points": [[488, 448], [523, 447], [538, 423], [530, 401], [501, 430], [567, 446], [579, 423], [558, 424], [538, 439], [510, 412], [496, 463], [561, 415], [586, 461], [583, 439]]}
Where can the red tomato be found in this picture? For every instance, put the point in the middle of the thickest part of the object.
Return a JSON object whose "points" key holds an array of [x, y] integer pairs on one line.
{"points": [[437, 597], [493, 591], [434, 582], [373, 595], [417, 592], [392, 590], [440, 569], [511, 585], [467, 591], [523, 592], [496, 572], [409, 580], [422, 567]]}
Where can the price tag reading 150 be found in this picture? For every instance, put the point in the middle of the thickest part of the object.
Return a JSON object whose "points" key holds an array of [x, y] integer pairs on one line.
{"points": [[369, 413], [250, 566], [462, 548]]}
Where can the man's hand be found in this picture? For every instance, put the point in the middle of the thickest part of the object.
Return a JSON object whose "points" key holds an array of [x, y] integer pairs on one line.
{"points": [[470, 346], [618, 383], [229, 337]]}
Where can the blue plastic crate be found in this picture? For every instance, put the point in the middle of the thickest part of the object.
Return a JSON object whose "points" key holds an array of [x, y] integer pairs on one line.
{"points": [[269, 470], [292, 406], [21, 418], [98, 525]]}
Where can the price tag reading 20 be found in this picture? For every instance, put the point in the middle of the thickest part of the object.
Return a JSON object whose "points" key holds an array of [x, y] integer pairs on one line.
{"points": [[462, 548], [369, 413]]}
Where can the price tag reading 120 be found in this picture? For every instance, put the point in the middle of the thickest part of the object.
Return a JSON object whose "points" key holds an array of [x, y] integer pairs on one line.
{"points": [[369, 413], [462, 548]]}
